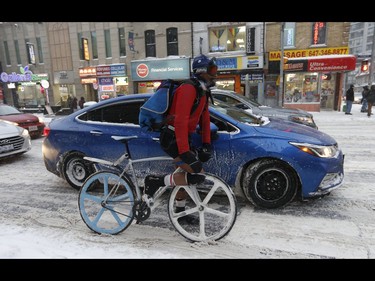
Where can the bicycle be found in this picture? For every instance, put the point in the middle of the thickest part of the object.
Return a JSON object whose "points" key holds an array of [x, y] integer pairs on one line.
{"points": [[109, 200]]}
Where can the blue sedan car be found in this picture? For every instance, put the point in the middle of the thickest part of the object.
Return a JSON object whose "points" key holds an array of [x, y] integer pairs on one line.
{"points": [[272, 160]]}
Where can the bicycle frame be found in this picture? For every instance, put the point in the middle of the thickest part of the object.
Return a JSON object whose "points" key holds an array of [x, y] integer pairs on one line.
{"points": [[130, 167]]}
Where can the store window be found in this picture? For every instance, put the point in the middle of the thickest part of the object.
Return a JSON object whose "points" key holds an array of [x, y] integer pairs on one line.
{"points": [[301, 88], [172, 42], [122, 41], [148, 87], [108, 48], [30, 95], [94, 45], [150, 43], [224, 39], [225, 84], [319, 33]]}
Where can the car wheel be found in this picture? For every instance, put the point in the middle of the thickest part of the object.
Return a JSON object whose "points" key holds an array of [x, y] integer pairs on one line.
{"points": [[76, 169], [270, 184]]}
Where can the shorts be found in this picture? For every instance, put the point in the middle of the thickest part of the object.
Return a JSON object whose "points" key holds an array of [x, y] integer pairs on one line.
{"points": [[168, 141]]}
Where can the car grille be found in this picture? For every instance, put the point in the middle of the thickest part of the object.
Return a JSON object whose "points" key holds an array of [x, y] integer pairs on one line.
{"points": [[11, 144]]}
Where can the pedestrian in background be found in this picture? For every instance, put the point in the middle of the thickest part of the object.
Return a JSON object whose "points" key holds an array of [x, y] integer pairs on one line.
{"points": [[74, 104], [81, 102], [364, 98], [349, 99], [370, 100]]}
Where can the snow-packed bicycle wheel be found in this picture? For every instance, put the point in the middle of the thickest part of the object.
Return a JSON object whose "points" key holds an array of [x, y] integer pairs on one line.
{"points": [[106, 203], [210, 212]]}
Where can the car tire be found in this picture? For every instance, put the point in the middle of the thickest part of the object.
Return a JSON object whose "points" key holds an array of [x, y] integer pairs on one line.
{"points": [[76, 170], [270, 184]]}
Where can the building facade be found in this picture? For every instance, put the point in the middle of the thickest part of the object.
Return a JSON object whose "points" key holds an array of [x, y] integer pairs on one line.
{"points": [[361, 45], [316, 59], [99, 60]]}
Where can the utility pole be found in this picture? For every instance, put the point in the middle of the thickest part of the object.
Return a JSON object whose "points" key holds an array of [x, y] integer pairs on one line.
{"points": [[281, 83]]}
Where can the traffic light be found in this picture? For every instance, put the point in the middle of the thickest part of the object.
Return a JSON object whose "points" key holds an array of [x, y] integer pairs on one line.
{"points": [[364, 66]]}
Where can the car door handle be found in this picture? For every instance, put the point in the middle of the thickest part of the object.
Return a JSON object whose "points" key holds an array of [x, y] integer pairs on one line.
{"points": [[94, 132]]}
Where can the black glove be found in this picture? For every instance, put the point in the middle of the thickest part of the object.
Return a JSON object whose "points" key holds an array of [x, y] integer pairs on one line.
{"points": [[189, 158], [204, 152]]}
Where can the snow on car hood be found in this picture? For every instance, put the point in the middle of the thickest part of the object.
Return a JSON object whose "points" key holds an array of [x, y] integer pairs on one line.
{"points": [[8, 130], [295, 132], [21, 118]]}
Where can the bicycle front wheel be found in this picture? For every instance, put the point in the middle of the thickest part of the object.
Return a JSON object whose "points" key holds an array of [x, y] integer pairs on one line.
{"points": [[106, 203], [212, 203]]}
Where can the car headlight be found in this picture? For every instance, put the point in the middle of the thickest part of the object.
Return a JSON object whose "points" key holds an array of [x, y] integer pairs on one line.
{"points": [[301, 119], [324, 151], [25, 132]]}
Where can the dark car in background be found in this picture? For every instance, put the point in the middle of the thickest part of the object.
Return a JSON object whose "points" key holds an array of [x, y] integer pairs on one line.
{"points": [[34, 124], [270, 159], [234, 99]]}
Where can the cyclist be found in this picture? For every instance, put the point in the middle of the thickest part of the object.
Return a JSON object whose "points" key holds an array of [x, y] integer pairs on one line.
{"points": [[182, 122]]}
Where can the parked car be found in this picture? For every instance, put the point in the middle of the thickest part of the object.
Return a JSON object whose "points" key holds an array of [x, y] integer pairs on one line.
{"points": [[243, 102], [271, 159], [29, 121], [88, 103], [14, 140]]}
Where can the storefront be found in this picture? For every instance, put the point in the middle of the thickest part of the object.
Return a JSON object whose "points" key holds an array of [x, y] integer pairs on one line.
{"points": [[89, 81], [313, 78], [104, 81], [242, 74], [147, 74], [63, 87], [315, 83], [112, 81], [25, 88]]}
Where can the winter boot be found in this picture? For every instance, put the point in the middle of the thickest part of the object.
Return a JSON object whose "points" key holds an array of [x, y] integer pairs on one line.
{"points": [[152, 184]]}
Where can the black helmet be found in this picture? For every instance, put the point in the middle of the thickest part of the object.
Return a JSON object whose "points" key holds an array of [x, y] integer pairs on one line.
{"points": [[203, 64]]}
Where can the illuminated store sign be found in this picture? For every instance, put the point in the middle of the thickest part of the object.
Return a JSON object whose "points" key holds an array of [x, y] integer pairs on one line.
{"points": [[24, 76]]}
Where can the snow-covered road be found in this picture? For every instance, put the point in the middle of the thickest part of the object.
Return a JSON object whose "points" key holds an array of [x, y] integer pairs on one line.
{"points": [[40, 217]]}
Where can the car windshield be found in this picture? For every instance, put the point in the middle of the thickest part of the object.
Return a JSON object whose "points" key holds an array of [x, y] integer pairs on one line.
{"points": [[238, 114], [253, 102], [231, 100], [8, 110]]}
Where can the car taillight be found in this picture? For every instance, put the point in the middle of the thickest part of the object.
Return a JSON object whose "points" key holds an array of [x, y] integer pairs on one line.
{"points": [[46, 131]]}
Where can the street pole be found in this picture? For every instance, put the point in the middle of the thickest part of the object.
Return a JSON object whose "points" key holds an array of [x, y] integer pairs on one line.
{"points": [[281, 83], [372, 58]]}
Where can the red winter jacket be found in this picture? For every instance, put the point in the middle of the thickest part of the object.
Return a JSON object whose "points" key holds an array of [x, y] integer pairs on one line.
{"points": [[184, 123]]}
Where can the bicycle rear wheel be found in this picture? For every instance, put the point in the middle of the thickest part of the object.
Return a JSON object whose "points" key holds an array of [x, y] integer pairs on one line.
{"points": [[214, 205], [102, 213]]}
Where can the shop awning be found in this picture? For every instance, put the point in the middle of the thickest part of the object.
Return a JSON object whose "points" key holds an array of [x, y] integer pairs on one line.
{"points": [[330, 63]]}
